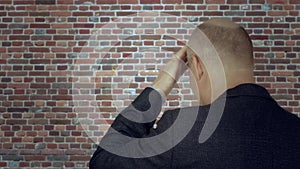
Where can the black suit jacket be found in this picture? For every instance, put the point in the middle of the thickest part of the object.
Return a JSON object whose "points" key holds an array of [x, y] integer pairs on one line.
{"points": [[253, 133]]}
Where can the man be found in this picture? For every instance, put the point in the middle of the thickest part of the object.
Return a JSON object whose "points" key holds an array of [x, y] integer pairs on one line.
{"points": [[237, 124]]}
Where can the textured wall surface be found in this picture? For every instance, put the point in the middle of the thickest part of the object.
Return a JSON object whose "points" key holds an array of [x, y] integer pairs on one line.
{"points": [[67, 67]]}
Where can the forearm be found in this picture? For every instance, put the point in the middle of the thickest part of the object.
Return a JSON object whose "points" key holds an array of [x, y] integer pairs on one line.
{"points": [[171, 73], [164, 83]]}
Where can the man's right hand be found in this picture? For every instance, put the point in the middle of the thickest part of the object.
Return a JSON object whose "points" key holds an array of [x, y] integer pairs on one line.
{"points": [[172, 72]]}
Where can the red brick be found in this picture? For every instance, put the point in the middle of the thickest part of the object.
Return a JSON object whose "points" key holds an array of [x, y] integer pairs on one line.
{"points": [[277, 25], [40, 61], [83, 14], [277, 13], [259, 37], [294, 1], [126, 13], [191, 14], [17, 13], [19, 37], [36, 73], [35, 158], [3, 164], [80, 158], [83, 25], [37, 64], [39, 14], [39, 25], [6, 2], [61, 13], [44, 86]]}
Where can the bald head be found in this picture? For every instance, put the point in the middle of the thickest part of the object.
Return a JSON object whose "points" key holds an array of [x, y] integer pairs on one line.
{"points": [[220, 57], [231, 41]]}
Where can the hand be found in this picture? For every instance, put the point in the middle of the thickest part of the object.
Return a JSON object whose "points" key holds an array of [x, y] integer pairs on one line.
{"points": [[172, 72]]}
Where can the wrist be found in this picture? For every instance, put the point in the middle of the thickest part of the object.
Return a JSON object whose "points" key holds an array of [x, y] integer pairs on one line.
{"points": [[164, 83]]}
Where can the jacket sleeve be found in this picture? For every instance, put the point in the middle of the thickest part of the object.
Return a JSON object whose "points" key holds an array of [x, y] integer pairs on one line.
{"points": [[132, 142]]}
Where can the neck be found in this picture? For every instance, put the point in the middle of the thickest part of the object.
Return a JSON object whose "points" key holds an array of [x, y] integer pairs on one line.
{"points": [[209, 93]]}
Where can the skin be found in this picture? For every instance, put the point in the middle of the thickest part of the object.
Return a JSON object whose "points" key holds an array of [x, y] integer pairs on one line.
{"points": [[238, 67]]}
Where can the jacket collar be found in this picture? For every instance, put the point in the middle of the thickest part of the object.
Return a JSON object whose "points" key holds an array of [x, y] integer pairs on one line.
{"points": [[248, 89]]}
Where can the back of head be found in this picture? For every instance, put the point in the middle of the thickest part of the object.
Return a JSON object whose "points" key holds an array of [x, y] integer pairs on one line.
{"points": [[232, 43]]}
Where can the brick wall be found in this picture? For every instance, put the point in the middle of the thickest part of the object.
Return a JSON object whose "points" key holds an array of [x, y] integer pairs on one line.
{"points": [[69, 66]]}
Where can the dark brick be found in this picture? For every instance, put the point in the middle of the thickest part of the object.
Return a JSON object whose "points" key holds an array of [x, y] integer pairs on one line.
{"points": [[57, 157], [5, 79], [45, 2], [93, 19], [295, 37], [258, 31], [277, 25], [39, 19], [257, 1], [43, 37], [276, 37], [213, 13], [13, 164], [147, 7], [6, 43], [192, 1], [150, 2], [39, 25], [62, 85], [39, 13], [23, 2], [234, 13], [237, 1], [17, 61], [18, 26], [20, 110], [257, 13]]}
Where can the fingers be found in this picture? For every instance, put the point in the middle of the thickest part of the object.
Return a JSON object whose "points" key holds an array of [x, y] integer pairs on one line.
{"points": [[182, 53]]}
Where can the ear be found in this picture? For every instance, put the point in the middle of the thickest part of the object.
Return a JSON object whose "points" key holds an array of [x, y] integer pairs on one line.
{"points": [[197, 66]]}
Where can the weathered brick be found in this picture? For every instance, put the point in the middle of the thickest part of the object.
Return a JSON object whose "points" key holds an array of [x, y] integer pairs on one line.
{"points": [[18, 26]]}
